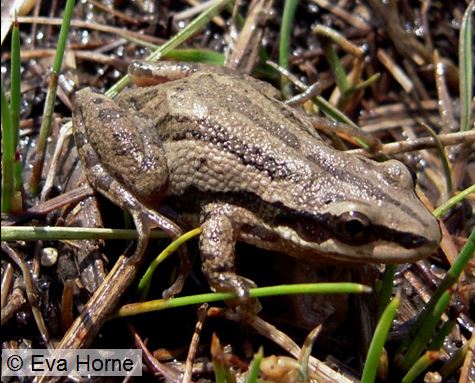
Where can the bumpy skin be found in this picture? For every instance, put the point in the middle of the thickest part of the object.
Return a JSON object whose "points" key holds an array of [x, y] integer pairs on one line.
{"points": [[221, 151]]}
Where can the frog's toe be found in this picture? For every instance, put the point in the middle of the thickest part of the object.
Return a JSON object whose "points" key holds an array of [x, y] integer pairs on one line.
{"points": [[229, 281]]}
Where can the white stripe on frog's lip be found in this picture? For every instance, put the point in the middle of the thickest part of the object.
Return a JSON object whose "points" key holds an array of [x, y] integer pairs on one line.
{"points": [[378, 251]]}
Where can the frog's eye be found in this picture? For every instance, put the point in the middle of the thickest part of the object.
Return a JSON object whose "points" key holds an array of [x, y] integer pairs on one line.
{"points": [[353, 227]]}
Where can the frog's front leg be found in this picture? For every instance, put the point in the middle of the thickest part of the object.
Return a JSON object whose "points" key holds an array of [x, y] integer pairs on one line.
{"points": [[217, 243]]}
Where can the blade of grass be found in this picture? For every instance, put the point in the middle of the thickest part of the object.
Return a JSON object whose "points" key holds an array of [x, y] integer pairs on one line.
{"points": [[420, 366], [419, 342], [217, 356], [39, 233], [304, 288], [332, 112], [377, 343], [465, 255], [386, 288], [445, 207], [8, 150], [15, 100], [15, 97], [175, 41], [45, 128], [454, 363], [444, 331], [284, 42], [306, 352], [466, 67], [196, 55], [254, 367], [335, 65], [443, 159], [146, 280]]}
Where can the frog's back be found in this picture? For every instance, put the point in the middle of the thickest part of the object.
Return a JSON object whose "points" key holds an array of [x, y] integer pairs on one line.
{"points": [[228, 133]]}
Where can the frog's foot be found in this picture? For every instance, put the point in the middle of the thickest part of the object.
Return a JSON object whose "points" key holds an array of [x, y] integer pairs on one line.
{"points": [[145, 220], [185, 269]]}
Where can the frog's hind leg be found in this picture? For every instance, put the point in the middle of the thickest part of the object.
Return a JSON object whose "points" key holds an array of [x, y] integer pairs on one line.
{"points": [[152, 73], [145, 220]]}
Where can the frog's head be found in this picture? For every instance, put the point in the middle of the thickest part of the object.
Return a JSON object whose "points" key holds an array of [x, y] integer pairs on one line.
{"points": [[367, 212]]}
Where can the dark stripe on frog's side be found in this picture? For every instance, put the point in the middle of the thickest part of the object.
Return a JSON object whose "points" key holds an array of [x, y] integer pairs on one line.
{"points": [[263, 115], [324, 226], [210, 131], [274, 169]]}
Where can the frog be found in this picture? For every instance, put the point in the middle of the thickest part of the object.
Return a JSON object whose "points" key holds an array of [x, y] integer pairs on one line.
{"points": [[202, 145]]}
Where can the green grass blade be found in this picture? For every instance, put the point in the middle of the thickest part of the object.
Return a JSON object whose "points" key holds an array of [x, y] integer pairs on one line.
{"points": [[439, 337], [45, 128], [332, 112], [377, 343], [420, 366], [445, 207], [443, 159], [196, 55], [15, 92], [146, 280], [466, 68], [455, 362], [218, 360], [465, 255], [254, 367], [8, 150], [284, 42], [335, 65], [49, 233], [386, 287], [419, 342], [260, 292], [15, 101]]}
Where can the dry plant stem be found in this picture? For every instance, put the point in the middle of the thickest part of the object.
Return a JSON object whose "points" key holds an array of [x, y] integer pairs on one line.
{"points": [[345, 131], [7, 280], [194, 343], [15, 302], [350, 18], [86, 55], [468, 363], [70, 197], [159, 369], [322, 372], [115, 12], [98, 27], [423, 143], [67, 305], [100, 305], [30, 293], [446, 112], [244, 56], [198, 8], [395, 70], [44, 133], [65, 132]]}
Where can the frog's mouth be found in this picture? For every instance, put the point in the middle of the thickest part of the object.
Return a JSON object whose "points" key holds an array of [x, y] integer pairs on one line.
{"points": [[385, 246]]}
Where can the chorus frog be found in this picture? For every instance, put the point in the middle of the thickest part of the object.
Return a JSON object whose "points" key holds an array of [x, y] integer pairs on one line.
{"points": [[210, 147]]}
